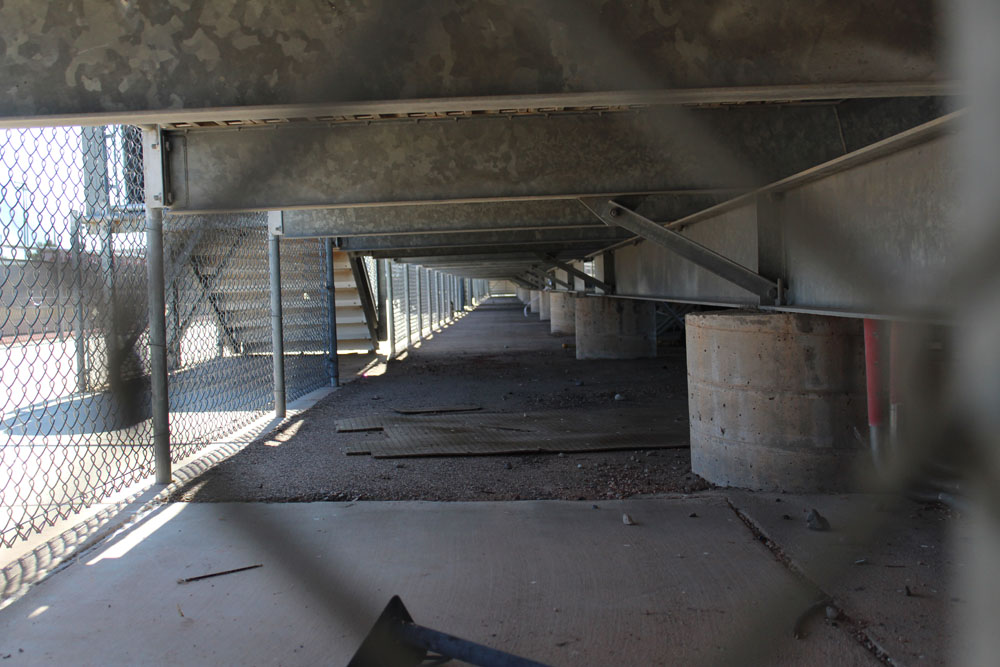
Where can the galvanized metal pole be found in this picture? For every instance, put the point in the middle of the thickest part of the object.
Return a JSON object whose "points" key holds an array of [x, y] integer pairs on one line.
{"points": [[390, 308], [277, 340], [78, 325], [406, 303], [420, 308], [333, 361], [437, 299], [158, 344]]}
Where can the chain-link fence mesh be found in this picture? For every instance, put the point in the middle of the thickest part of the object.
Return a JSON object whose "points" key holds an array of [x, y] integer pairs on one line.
{"points": [[75, 395], [75, 371]]}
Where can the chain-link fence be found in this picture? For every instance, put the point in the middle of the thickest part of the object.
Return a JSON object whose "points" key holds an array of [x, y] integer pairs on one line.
{"points": [[74, 376], [424, 299]]}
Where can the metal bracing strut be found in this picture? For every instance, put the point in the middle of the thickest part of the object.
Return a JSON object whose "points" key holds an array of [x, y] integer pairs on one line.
{"points": [[571, 270], [614, 214]]}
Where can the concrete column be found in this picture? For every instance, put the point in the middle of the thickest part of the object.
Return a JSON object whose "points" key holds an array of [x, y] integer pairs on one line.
{"points": [[608, 328], [562, 313], [533, 296], [543, 306], [775, 399], [522, 294]]}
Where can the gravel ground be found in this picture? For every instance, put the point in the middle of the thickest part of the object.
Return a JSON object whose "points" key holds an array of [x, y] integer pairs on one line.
{"points": [[494, 357]]}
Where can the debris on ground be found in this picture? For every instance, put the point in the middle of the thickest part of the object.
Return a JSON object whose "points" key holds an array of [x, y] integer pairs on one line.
{"points": [[627, 520], [816, 521], [438, 409], [219, 574]]}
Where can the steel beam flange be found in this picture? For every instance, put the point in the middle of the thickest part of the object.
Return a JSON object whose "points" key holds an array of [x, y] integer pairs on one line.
{"points": [[614, 214]]}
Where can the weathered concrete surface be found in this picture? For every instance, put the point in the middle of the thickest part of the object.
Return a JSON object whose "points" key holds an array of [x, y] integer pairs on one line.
{"points": [[153, 55], [544, 309], [877, 548], [774, 399], [556, 581], [562, 313], [609, 328]]}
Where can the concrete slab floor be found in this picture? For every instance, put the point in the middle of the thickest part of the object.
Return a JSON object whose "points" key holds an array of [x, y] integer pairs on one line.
{"points": [[888, 563], [557, 581]]}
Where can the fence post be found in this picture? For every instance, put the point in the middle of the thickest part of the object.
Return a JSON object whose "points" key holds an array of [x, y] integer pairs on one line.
{"points": [[389, 307], [158, 344], [277, 340], [406, 300], [78, 324], [333, 361], [420, 308]]}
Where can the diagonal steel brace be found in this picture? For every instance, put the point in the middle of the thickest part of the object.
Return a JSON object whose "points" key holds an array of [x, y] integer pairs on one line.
{"points": [[613, 214], [577, 273]]}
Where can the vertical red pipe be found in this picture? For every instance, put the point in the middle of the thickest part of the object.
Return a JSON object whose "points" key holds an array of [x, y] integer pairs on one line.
{"points": [[873, 373]]}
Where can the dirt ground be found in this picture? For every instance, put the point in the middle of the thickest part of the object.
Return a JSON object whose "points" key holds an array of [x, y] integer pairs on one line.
{"points": [[495, 357]]}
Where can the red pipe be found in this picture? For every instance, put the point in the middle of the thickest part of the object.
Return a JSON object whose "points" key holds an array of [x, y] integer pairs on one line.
{"points": [[873, 373]]}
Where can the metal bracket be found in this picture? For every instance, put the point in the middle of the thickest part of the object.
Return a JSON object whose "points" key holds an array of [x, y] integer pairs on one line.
{"points": [[577, 273], [613, 214], [275, 223], [154, 168]]}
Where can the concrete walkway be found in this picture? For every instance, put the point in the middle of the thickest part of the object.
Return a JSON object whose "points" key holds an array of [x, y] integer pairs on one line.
{"points": [[556, 581]]}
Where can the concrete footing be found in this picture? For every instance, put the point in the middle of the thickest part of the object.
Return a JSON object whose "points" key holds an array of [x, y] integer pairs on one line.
{"points": [[774, 400], [562, 313], [543, 306], [608, 328]]}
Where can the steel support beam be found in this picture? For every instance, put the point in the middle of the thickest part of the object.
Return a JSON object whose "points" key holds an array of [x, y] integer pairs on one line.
{"points": [[289, 59], [366, 296], [590, 281], [598, 236], [614, 214], [472, 160]]}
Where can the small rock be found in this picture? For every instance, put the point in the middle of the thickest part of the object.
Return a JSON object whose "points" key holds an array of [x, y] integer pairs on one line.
{"points": [[816, 521], [578, 383], [693, 515], [786, 517], [506, 466], [400, 465], [579, 465], [595, 507], [561, 455], [832, 612], [619, 397], [627, 520]]}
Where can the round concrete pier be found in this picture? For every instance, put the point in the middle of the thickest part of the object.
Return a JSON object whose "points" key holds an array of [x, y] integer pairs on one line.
{"points": [[609, 328], [533, 296], [562, 313], [543, 306], [774, 399]]}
